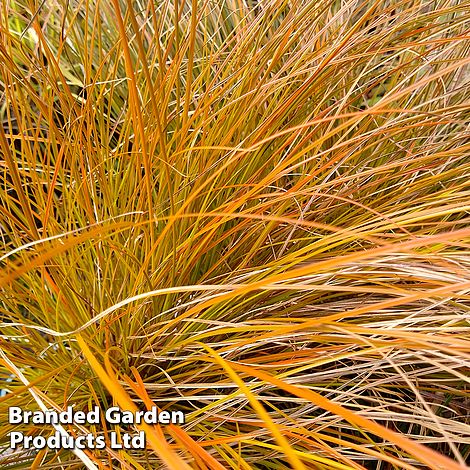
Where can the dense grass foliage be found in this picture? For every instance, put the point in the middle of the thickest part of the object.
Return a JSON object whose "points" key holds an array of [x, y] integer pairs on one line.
{"points": [[253, 212]]}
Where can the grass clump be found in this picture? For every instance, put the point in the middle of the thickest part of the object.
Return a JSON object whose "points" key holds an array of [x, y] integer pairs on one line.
{"points": [[252, 212]]}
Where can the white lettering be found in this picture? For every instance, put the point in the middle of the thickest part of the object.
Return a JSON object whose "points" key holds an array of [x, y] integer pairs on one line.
{"points": [[164, 417], [113, 415], [15, 438], [15, 415]]}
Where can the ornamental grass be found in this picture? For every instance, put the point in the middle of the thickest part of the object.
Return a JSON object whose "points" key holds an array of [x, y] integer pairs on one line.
{"points": [[252, 212]]}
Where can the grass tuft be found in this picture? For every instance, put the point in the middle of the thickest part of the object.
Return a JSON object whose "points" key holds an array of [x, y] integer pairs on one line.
{"points": [[254, 212]]}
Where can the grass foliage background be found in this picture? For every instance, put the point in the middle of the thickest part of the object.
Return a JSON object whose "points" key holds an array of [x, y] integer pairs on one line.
{"points": [[254, 212]]}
